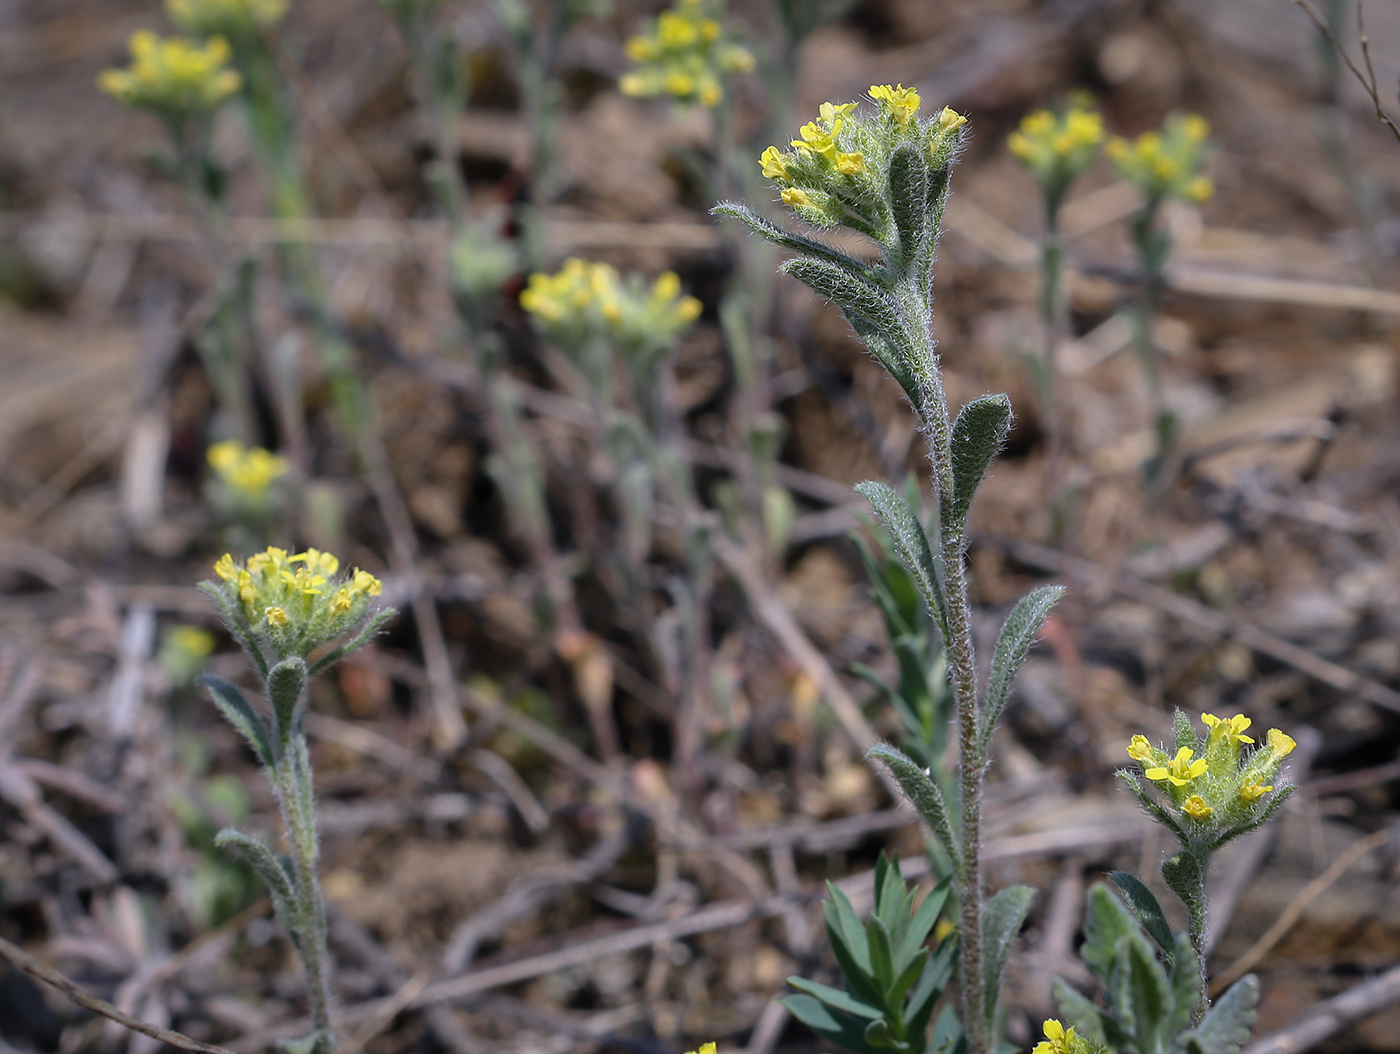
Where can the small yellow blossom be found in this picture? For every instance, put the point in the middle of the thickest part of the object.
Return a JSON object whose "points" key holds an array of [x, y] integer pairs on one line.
{"points": [[1180, 771], [774, 164], [1139, 749], [1058, 1039], [684, 56], [192, 640], [1251, 792], [225, 569], [850, 164], [950, 121], [175, 77], [340, 603], [902, 102], [247, 473], [1166, 163], [1282, 744], [1230, 729], [1196, 807], [318, 560], [1057, 147], [795, 196], [705, 1048], [366, 583], [276, 617]]}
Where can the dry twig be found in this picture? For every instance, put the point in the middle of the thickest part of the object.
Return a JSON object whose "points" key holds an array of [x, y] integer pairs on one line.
{"points": [[1367, 80]]}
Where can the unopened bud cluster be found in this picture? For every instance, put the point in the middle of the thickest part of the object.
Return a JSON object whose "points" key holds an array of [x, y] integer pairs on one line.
{"points": [[835, 174], [175, 78], [686, 56], [587, 299], [293, 604], [1166, 163], [1211, 787]]}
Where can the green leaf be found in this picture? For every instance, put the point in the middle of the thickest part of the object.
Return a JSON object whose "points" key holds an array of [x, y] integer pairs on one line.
{"points": [[834, 997], [242, 716], [921, 790], [1087, 1019], [367, 633], [1182, 874], [273, 875], [910, 543], [855, 294], [938, 971], [923, 921], [881, 951], [1142, 999], [237, 623], [948, 1037], [905, 977], [1017, 634], [1001, 922], [845, 1031], [797, 243], [1185, 982], [908, 195], [1184, 732], [1226, 1027], [1106, 921], [843, 925], [978, 434], [1132, 781], [878, 1035], [1148, 911], [285, 685]]}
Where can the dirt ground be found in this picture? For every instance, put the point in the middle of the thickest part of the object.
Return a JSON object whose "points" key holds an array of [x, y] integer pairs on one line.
{"points": [[582, 900]]}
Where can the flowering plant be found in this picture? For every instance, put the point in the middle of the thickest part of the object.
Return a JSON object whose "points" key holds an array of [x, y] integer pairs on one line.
{"points": [[685, 55], [173, 77]]}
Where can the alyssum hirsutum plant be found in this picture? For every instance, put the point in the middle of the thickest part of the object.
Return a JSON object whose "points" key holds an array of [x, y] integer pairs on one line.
{"points": [[884, 171]]}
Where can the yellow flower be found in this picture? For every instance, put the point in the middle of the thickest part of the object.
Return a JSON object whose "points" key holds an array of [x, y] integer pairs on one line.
{"points": [[340, 603], [684, 56], [1020, 146], [1139, 749], [276, 617], [246, 472], [795, 196], [1180, 771], [317, 560], [950, 120], [1196, 807], [1200, 189], [1058, 1039], [225, 568], [1252, 792], [192, 640], [705, 1048], [1283, 745], [175, 77], [774, 164], [850, 164], [1231, 729], [902, 102], [366, 583]]}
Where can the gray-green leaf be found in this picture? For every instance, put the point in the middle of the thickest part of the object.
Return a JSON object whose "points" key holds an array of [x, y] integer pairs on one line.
{"points": [[922, 791], [910, 543], [1001, 922], [978, 433], [242, 716], [1017, 634]]}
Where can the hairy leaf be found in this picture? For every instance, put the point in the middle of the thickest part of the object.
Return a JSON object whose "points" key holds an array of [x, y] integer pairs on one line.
{"points": [[237, 623], [1001, 921], [242, 716], [1142, 999], [856, 295], [785, 239], [921, 790], [1227, 1024], [285, 684], [908, 188], [1106, 921], [978, 434], [1017, 634], [1148, 911], [273, 875], [1185, 982], [1086, 1018], [910, 543]]}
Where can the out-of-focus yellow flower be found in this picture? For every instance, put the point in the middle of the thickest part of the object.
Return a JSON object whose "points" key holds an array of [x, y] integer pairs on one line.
{"points": [[246, 473], [1057, 147], [705, 1048], [1180, 771], [902, 102], [235, 19], [1166, 163], [174, 77], [685, 56]]}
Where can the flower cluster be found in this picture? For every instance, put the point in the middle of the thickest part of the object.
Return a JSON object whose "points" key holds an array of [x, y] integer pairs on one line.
{"points": [[1166, 164], [587, 299], [175, 78], [1211, 787], [1061, 1040], [246, 474], [832, 176], [1057, 147], [292, 604], [685, 56], [238, 20]]}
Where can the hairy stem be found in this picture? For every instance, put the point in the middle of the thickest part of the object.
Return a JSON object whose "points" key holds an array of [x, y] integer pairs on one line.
{"points": [[294, 779], [963, 670]]}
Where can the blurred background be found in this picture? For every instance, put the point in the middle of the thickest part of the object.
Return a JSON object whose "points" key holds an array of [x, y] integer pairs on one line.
{"points": [[584, 793]]}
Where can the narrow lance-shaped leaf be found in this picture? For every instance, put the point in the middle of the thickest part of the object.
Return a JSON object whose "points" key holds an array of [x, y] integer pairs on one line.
{"points": [[1142, 998], [1086, 1018], [797, 243], [978, 433], [855, 295], [835, 997], [285, 684], [1001, 922], [908, 188], [1148, 911], [243, 717], [845, 1031], [922, 792], [237, 624], [1017, 634], [1185, 979], [910, 544], [279, 886], [891, 359], [1107, 920], [366, 633]]}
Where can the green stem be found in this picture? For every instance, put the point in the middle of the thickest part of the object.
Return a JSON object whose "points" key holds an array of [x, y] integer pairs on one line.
{"points": [[962, 667]]}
